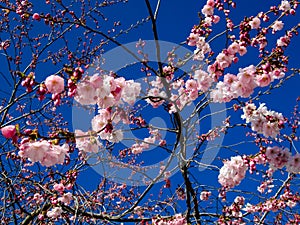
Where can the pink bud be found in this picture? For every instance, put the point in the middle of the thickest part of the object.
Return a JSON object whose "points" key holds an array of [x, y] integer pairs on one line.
{"points": [[8, 131], [41, 217], [36, 16]]}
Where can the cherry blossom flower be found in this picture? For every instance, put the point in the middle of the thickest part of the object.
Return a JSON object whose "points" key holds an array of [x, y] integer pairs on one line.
{"points": [[88, 143], [106, 91], [285, 6], [283, 41], [86, 93], [193, 39], [55, 212], [255, 23], [203, 79], [242, 50], [278, 25], [207, 10], [38, 198], [54, 84], [66, 198], [59, 187], [233, 48], [131, 91], [115, 136], [34, 151], [264, 79], [100, 120], [278, 157], [55, 155], [293, 165]]}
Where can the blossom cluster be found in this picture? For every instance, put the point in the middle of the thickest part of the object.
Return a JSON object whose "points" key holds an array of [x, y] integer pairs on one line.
{"points": [[102, 124], [183, 91], [271, 205], [234, 210], [44, 152], [263, 121], [278, 158], [242, 84], [177, 219], [55, 212], [248, 78], [86, 141], [232, 172], [106, 91], [202, 47]]}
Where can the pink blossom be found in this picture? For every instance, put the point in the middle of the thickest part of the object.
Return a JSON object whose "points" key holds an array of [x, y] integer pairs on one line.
{"points": [[232, 172], [136, 149], [207, 10], [264, 121], [224, 60], [255, 23], [204, 80], [242, 50], [263, 80], [55, 155], [66, 198], [59, 187], [278, 157], [34, 151], [293, 165], [9, 131], [249, 111], [191, 84], [99, 121], [193, 39], [278, 25], [44, 152], [216, 18], [230, 79], [277, 74], [55, 212], [222, 93], [38, 198], [96, 81], [283, 41], [210, 3], [131, 91], [115, 136], [88, 143], [285, 6], [54, 84], [233, 48], [86, 93]]}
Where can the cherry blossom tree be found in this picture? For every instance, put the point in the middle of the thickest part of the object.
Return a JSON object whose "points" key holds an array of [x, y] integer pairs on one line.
{"points": [[103, 122]]}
